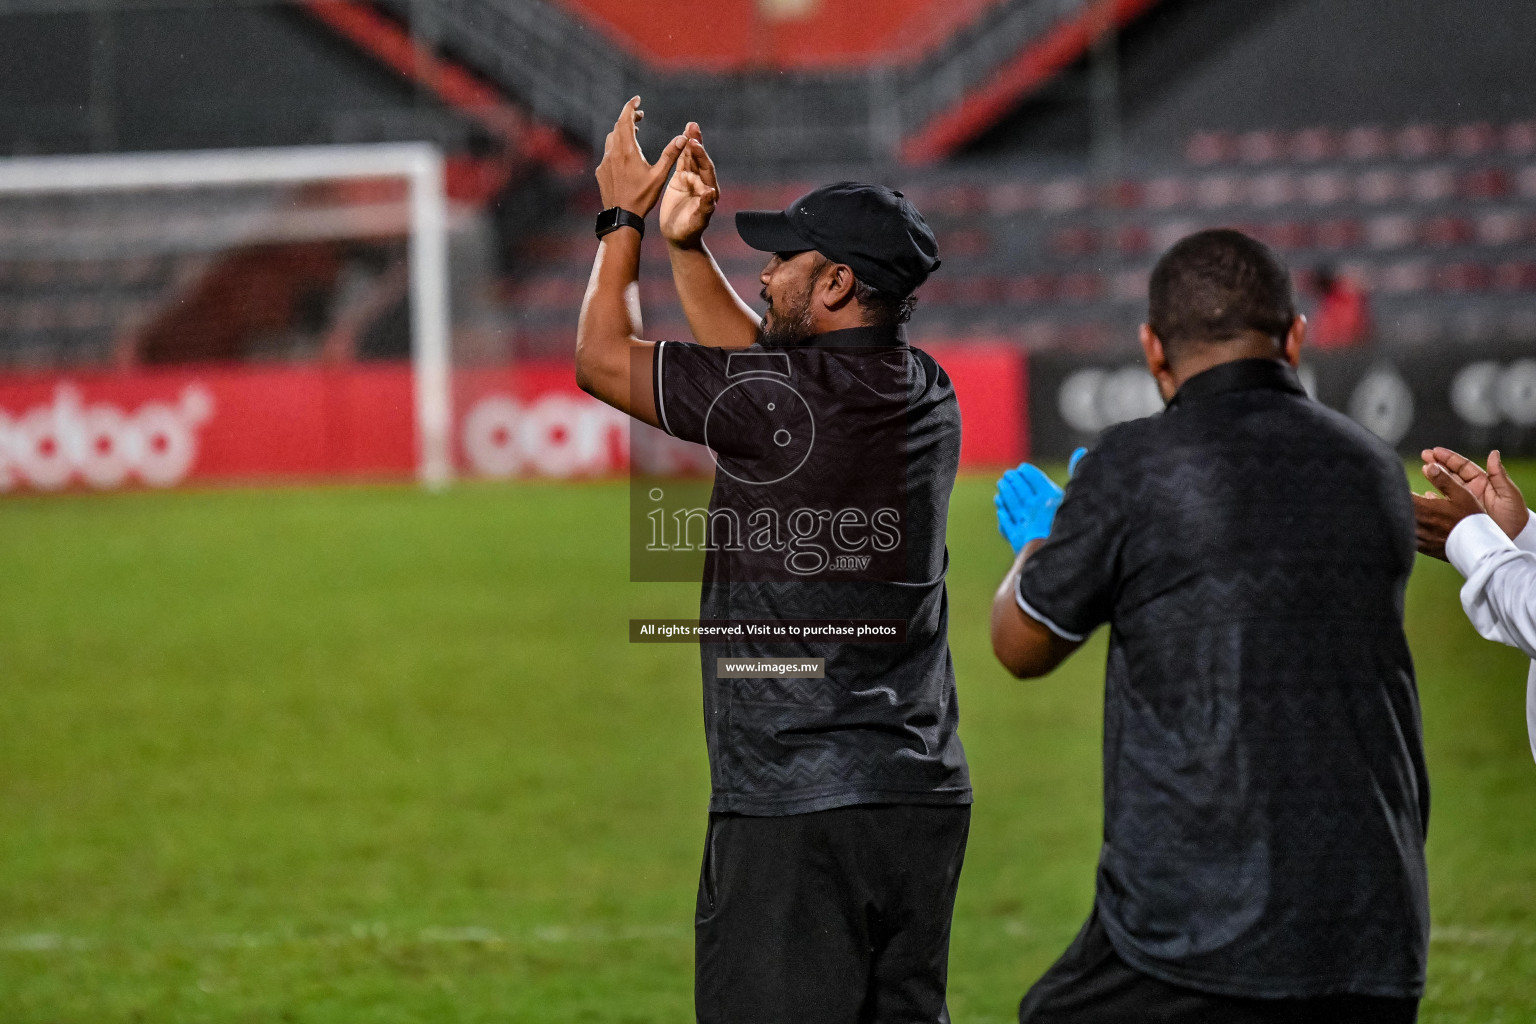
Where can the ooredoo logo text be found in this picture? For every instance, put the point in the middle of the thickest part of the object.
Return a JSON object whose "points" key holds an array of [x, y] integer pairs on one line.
{"points": [[101, 444]]}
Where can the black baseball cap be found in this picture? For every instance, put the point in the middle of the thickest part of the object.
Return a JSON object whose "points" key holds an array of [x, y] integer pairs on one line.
{"points": [[870, 228]]}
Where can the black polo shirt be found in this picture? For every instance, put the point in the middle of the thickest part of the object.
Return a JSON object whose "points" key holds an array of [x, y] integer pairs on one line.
{"points": [[1265, 798], [835, 462]]}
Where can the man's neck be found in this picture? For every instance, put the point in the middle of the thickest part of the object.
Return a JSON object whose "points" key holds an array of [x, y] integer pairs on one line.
{"points": [[1206, 357], [827, 321]]}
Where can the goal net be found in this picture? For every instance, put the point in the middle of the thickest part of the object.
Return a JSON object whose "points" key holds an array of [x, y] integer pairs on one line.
{"points": [[145, 297]]}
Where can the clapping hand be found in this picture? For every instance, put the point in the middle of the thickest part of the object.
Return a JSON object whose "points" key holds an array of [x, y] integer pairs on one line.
{"points": [[1494, 490], [1467, 490], [1026, 502], [625, 178], [691, 195]]}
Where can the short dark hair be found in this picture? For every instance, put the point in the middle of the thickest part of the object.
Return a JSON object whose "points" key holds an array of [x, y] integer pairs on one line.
{"points": [[883, 309], [1217, 286]]}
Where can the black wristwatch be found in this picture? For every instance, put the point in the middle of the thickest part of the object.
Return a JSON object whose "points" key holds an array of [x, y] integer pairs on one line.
{"points": [[615, 217]]}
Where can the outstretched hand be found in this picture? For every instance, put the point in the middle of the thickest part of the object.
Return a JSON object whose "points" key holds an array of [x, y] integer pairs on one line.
{"points": [[625, 178], [1494, 490], [690, 199]]}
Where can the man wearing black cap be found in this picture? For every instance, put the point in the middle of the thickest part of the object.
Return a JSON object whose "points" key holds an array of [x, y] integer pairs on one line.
{"points": [[840, 795]]}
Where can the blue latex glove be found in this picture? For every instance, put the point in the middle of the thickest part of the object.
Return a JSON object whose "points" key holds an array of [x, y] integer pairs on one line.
{"points": [[1077, 457], [1026, 502]]}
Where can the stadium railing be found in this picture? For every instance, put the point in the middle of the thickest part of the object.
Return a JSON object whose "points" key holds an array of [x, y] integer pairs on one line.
{"points": [[571, 75]]}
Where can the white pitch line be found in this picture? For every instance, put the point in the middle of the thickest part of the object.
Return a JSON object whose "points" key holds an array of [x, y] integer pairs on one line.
{"points": [[1450, 935], [1506, 937], [50, 942]]}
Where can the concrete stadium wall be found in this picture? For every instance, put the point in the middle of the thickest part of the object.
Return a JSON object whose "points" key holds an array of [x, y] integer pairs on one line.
{"points": [[186, 78]]}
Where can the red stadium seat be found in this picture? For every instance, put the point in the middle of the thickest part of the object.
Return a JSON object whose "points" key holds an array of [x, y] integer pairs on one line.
{"points": [[1366, 143], [1064, 195], [1220, 190], [1342, 233], [1432, 184], [967, 242], [1314, 145], [977, 291], [1324, 188], [957, 201], [1419, 142], [1515, 276], [1504, 227], [1288, 234], [1166, 234], [1123, 195], [1166, 193], [1391, 232], [1473, 140], [1081, 287], [1133, 240], [1446, 230], [1074, 242], [1011, 198], [1275, 188], [1260, 147], [1520, 138], [1485, 183], [1379, 186], [1207, 148], [1462, 277], [1030, 288], [1407, 276]]}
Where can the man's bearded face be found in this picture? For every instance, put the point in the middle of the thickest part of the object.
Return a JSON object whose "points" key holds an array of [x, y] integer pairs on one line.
{"points": [[788, 321]]}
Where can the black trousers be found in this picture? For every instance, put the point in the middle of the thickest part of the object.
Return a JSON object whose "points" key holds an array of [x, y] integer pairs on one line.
{"points": [[1090, 984], [834, 917]]}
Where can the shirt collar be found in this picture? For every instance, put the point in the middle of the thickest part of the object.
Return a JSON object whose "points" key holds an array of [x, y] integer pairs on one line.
{"points": [[880, 336], [1239, 375]]}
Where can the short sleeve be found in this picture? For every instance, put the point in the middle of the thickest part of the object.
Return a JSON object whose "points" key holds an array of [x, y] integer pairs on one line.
{"points": [[688, 380], [746, 405], [1069, 583]]}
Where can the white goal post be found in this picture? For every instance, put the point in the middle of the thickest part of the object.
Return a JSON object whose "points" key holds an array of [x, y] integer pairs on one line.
{"points": [[420, 164]]}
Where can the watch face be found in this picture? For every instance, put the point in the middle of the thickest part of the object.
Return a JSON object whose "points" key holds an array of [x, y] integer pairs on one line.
{"points": [[608, 220]]}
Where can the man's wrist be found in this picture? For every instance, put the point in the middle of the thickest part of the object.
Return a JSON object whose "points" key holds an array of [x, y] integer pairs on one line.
{"points": [[615, 217]]}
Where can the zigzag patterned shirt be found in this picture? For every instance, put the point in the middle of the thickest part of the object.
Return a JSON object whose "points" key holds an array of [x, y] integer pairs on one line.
{"points": [[834, 464], [1265, 797]]}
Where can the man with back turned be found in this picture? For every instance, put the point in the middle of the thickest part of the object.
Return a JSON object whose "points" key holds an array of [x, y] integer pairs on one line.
{"points": [[1265, 798]]}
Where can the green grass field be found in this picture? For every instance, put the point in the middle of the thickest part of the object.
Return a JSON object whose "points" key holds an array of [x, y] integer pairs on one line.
{"points": [[368, 755]]}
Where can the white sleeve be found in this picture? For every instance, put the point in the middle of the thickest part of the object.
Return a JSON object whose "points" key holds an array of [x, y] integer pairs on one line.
{"points": [[1500, 593], [1530, 708], [1527, 539]]}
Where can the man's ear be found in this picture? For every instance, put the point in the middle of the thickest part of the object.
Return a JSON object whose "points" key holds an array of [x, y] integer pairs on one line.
{"points": [[1294, 339], [1157, 363], [836, 286]]}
